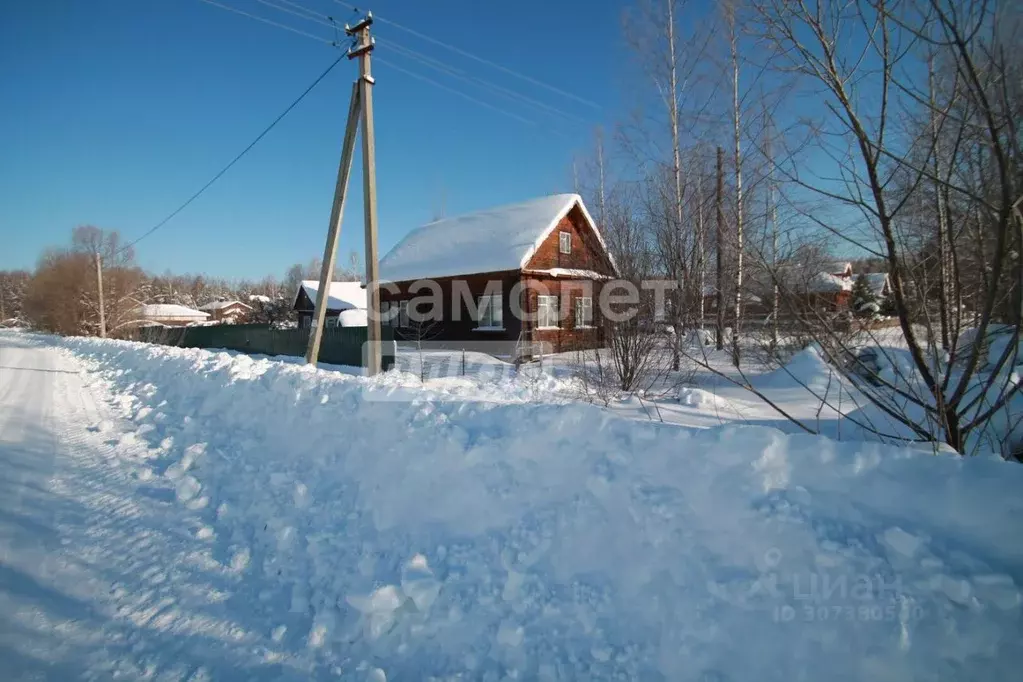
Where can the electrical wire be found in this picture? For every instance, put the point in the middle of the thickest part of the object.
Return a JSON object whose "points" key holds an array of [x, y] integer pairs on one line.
{"points": [[431, 62], [267, 21], [427, 79], [236, 159], [481, 60], [499, 90], [296, 12], [313, 13]]}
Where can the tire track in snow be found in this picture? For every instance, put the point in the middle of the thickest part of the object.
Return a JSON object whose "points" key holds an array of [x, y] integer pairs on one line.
{"points": [[110, 579]]}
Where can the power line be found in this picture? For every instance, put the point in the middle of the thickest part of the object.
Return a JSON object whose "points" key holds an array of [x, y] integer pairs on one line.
{"points": [[432, 62], [482, 82], [303, 8], [427, 79], [236, 159], [481, 60], [394, 66], [267, 21], [296, 12]]}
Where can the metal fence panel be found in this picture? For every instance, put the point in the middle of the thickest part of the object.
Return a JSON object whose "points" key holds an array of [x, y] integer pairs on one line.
{"points": [[340, 345]]}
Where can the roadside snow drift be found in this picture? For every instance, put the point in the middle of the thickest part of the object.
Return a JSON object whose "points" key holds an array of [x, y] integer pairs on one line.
{"points": [[391, 535]]}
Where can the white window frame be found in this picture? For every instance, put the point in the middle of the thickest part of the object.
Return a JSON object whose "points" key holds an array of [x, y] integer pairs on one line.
{"points": [[583, 303], [402, 316], [543, 319], [565, 242], [490, 312]]}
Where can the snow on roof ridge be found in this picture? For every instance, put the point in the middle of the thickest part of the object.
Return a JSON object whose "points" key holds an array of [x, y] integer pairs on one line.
{"points": [[217, 305], [496, 239], [169, 310], [340, 295]]}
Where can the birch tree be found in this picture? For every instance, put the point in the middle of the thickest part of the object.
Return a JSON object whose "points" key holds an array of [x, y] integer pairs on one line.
{"points": [[881, 100]]}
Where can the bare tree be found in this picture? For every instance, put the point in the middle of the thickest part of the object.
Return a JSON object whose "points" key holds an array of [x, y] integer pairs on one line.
{"points": [[729, 9], [903, 139]]}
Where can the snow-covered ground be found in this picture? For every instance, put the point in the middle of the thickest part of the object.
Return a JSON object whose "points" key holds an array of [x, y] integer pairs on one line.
{"points": [[180, 514]]}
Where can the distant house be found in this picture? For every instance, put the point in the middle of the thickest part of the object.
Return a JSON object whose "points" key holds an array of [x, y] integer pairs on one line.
{"points": [[169, 315], [879, 283], [515, 275], [226, 311], [346, 304], [841, 269], [805, 288]]}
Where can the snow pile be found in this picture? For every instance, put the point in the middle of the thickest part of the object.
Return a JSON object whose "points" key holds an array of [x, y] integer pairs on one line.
{"points": [[397, 536], [356, 317], [697, 397], [808, 369], [698, 338]]}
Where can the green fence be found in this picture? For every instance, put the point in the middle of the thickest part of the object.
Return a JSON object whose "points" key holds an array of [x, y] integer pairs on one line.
{"points": [[340, 345]]}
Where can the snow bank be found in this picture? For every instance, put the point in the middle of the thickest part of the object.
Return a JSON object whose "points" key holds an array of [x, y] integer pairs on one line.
{"points": [[697, 397], [401, 537], [808, 369]]}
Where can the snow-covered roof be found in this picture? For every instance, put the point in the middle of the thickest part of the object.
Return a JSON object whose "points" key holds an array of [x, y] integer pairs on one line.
{"points": [[572, 273], [340, 296], [827, 282], [838, 267], [220, 305], [492, 240], [157, 311], [876, 281]]}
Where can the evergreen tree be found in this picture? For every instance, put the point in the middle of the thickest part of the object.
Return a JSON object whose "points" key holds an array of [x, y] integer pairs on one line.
{"points": [[864, 302]]}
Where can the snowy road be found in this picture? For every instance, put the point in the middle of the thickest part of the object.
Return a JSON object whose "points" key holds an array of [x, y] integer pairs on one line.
{"points": [[101, 573], [183, 515]]}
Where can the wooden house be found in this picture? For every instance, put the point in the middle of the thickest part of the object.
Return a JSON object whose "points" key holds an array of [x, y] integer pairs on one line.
{"points": [[502, 280], [346, 304], [228, 312]]}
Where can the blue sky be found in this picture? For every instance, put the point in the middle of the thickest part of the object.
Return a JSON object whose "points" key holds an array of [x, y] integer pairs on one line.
{"points": [[116, 111]]}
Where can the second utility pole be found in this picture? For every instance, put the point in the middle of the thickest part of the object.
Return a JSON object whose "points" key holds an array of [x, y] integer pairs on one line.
{"points": [[369, 188]]}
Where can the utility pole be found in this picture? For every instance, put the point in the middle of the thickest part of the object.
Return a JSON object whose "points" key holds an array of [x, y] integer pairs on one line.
{"points": [[361, 106], [334, 228], [369, 189], [99, 288]]}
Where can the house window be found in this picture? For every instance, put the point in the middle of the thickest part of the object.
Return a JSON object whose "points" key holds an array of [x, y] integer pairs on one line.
{"points": [[547, 312], [584, 311], [490, 314], [565, 239], [402, 318], [388, 313]]}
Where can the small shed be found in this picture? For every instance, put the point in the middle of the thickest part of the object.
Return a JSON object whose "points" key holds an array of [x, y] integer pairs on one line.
{"points": [[341, 297], [226, 311], [170, 314]]}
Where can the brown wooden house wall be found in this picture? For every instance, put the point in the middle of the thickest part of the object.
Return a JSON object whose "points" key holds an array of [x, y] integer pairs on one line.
{"points": [[462, 333], [566, 337], [587, 253]]}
